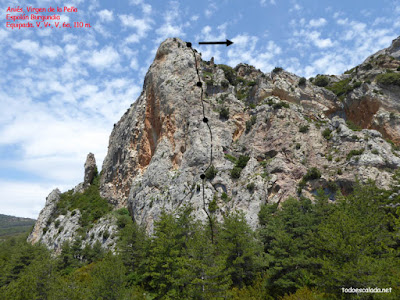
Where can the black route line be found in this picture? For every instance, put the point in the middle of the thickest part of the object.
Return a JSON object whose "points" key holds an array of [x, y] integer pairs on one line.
{"points": [[205, 120]]}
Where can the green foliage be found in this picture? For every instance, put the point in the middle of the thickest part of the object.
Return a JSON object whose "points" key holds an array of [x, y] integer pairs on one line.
{"points": [[341, 87], [211, 172], [304, 128], [250, 187], [242, 93], [277, 70], [352, 125], [281, 104], [354, 153], [224, 113], [321, 80], [230, 73], [327, 133], [91, 205], [388, 79], [224, 197], [235, 172], [250, 123], [302, 81], [231, 158], [312, 174], [213, 206]]}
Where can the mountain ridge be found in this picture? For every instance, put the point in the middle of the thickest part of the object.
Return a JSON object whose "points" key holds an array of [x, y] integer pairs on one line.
{"points": [[273, 136]]}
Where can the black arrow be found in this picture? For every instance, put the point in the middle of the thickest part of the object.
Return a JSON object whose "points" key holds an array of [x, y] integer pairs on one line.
{"points": [[227, 43]]}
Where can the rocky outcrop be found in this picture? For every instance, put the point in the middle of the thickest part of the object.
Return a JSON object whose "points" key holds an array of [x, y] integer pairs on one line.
{"points": [[236, 138], [42, 222], [161, 146], [90, 170]]}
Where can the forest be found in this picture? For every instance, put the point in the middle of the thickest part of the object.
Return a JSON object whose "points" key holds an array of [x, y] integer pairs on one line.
{"points": [[302, 249]]}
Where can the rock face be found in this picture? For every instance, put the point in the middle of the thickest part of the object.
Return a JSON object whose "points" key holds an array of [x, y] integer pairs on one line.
{"points": [[44, 216], [90, 170], [204, 133], [54, 230], [161, 146]]}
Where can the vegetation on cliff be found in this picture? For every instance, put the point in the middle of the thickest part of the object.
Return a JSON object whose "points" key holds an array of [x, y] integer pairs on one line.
{"points": [[302, 250]]}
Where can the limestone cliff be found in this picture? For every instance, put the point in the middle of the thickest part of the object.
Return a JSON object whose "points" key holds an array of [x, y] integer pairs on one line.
{"points": [[225, 139]]}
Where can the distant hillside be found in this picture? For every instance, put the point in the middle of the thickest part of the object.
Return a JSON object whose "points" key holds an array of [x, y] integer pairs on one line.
{"points": [[10, 225]]}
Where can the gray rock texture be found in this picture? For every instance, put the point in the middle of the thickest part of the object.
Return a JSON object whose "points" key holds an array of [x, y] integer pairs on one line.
{"points": [[161, 147]]}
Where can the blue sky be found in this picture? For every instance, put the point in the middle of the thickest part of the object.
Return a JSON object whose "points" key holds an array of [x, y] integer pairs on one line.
{"points": [[61, 90]]}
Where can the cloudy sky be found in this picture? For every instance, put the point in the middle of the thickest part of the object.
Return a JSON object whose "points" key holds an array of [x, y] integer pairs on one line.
{"points": [[62, 89]]}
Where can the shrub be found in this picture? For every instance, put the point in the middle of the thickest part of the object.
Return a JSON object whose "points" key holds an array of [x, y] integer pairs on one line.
{"points": [[329, 157], [279, 105], [304, 128], [353, 126], [302, 81], [339, 171], [312, 174], [213, 206], [123, 220], [231, 158], [224, 113], [298, 146], [122, 211], [327, 133], [354, 153], [357, 84], [211, 172], [375, 151], [341, 87], [250, 187], [398, 68], [250, 123], [235, 172], [321, 80], [277, 70], [57, 223], [106, 234], [388, 79], [242, 161], [224, 197], [229, 73]]}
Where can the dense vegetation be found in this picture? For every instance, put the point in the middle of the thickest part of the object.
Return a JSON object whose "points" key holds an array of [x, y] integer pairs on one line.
{"points": [[302, 250]]}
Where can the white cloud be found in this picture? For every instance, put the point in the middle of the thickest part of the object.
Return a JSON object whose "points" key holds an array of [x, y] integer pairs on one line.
{"points": [[193, 18], [104, 58], [317, 22], [172, 26], [264, 2], [106, 15], [142, 26]]}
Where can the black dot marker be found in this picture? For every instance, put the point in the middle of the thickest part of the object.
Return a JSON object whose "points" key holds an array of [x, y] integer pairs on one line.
{"points": [[189, 44], [199, 84], [202, 176], [205, 120]]}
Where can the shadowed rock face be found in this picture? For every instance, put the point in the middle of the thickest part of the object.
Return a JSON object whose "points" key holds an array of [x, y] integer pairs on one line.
{"points": [[161, 146]]}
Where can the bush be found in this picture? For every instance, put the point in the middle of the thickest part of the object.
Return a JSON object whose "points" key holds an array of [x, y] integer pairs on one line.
{"points": [[242, 161], [327, 134], [304, 128], [302, 81], [106, 234], [213, 206], [312, 174], [353, 126], [354, 153], [230, 74], [250, 123], [123, 220], [122, 211], [321, 81], [279, 105], [341, 87], [231, 158], [277, 70], [224, 197], [211, 172], [357, 84], [250, 187], [388, 79], [57, 223], [235, 172]]}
